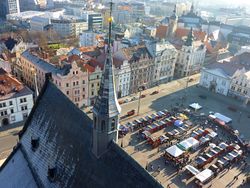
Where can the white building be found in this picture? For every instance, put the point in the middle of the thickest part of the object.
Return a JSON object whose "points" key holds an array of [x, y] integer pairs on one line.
{"points": [[215, 79], [228, 78], [122, 78], [90, 38], [240, 85], [69, 25], [190, 57], [38, 23], [16, 100], [165, 59]]}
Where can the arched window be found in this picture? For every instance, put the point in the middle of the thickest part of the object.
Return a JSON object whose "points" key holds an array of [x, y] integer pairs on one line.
{"points": [[103, 125], [113, 125], [94, 122]]}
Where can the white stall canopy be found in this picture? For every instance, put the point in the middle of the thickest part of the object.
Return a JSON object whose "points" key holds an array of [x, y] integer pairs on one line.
{"points": [[174, 151]]}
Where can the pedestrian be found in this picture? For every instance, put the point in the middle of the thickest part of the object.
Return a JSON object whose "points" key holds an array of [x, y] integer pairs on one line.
{"points": [[236, 177], [159, 168], [243, 181], [151, 167]]}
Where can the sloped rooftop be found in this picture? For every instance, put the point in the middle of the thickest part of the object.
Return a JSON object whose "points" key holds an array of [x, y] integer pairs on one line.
{"points": [[65, 135]]}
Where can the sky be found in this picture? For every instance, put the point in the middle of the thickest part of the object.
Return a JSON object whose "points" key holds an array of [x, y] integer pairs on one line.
{"points": [[226, 2]]}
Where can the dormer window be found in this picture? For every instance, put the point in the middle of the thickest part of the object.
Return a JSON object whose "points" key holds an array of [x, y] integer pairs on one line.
{"points": [[113, 125], [34, 143], [51, 173], [103, 125]]}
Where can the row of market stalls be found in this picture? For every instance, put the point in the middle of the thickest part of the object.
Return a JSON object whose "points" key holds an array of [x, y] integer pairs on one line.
{"points": [[228, 155], [151, 123]]}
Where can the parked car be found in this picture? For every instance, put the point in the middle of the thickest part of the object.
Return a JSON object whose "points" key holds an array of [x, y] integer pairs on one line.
{"points": [[232, 108], [126, 101], [154, 92], [90, 111], [131, 112], [121, 102], [190, 80], [134, 98], [203, 96]]}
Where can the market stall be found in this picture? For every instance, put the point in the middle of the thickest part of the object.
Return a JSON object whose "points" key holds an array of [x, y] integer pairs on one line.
{"points": [[223, 118], [195, 106], [204, 176], [192, 169], [178, 123], [189, 143], [174, 151]]}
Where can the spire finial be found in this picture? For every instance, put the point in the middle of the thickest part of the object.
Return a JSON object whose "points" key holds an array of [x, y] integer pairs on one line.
{"points": [[110, 24]]}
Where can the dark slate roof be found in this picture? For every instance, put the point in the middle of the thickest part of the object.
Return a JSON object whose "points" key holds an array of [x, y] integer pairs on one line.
{"points": [[65, 135], [106, 102], [10, 43]]}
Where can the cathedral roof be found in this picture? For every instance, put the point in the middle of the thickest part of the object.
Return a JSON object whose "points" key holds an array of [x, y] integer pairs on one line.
{"points": [[64, 135]]}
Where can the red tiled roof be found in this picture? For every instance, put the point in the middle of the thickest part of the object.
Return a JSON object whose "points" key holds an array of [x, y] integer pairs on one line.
{"points": [[74, 57], [8, 83], [89, 68], [87, 48], [199, 35], [161, 31]]}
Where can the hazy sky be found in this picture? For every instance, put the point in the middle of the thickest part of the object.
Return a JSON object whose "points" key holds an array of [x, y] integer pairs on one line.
{"points": [[226, 2]]}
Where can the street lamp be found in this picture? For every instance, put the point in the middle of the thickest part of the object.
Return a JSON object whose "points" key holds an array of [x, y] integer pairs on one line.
{"points": [[35, 78], [139, 101]]}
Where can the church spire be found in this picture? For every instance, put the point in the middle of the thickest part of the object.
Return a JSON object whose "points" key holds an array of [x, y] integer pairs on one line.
{"points": [[106, 109], [190, 38], [174, 15]]}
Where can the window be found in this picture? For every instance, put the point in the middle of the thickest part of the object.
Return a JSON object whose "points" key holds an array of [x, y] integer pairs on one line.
{"points": [[23, 100], [67, 84], [97, 76], [92, 85], [2, 105], [74, 83], [77, 83], [13, 118], [10, 103], [94, 122], [83, 89], [67, 92], [24, 108], [92, 93], [103, 125], [11, 110], [113, 125], [76, 72], [83, 82]]}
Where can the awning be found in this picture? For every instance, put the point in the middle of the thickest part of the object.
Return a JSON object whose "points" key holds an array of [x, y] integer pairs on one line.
{"points": [[174, 151], [178, 123], [213, 134], [192, 169], [189, 143], [195, 106], [204, 175], [223, 118]]}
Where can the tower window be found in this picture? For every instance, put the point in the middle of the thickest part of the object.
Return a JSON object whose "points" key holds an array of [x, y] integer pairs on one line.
{"points": [[113, 125], [103, 125], [94, 122], [34, 143]]}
